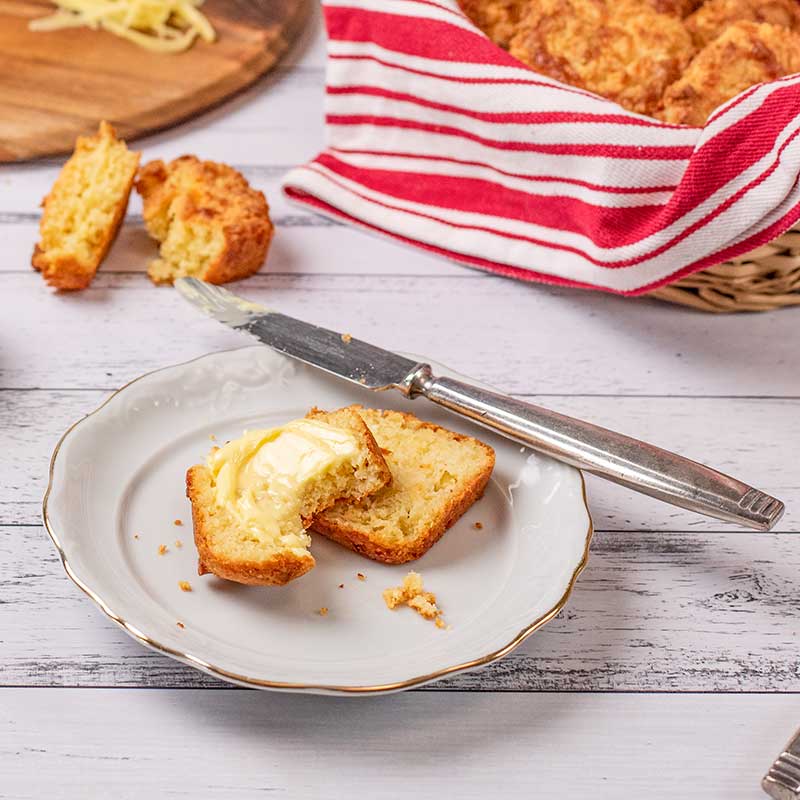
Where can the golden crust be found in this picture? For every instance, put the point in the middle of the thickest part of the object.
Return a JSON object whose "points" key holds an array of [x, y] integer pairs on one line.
{"points": [[678, 8], [498, 19], [66, 271], [281, 568], [403, 552], [621, 49], [211, 196], [744, 55], [714, 17]]}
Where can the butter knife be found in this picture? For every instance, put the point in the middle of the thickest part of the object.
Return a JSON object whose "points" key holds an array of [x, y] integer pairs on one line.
{"points": [[629, 462]]}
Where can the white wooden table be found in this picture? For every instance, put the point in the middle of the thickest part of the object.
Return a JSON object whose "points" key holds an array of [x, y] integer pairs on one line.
{"points": [[674, 670]]}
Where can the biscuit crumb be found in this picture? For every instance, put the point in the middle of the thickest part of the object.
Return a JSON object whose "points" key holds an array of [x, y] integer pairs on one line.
{"points": [[135, 535], [347, 338], [185, 586], [162, 549], [323, 612], [413, 594], [362, 381], [178, 522], [478, 526], [178, 543], [361, 576], [212, 437], [341, 586], [180, 624]]}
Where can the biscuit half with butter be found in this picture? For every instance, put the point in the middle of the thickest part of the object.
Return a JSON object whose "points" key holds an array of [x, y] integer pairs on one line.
{"points": [[254, 498]]}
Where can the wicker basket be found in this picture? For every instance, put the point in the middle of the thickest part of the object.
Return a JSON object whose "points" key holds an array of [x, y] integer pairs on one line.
{"points": [[765, 278]]}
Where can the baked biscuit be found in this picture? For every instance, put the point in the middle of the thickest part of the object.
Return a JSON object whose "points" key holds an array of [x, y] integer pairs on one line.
{"points": [[498, 19], [250, 508], [621, 49], [84, 209], [744, 55], [714, 17], [436, 476], [210, 223]]}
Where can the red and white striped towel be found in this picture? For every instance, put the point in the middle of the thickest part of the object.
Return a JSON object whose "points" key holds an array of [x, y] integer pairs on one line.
{"points": [[440, 139]]}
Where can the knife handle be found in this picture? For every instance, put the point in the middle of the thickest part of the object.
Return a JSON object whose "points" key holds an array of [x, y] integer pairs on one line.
{"points": [[629, 462]]}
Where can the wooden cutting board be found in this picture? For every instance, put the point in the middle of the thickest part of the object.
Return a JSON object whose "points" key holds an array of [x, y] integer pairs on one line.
{"points": [[56, 85]]}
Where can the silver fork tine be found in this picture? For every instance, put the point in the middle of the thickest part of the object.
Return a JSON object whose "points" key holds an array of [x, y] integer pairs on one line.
{"points": [[783, 779]]}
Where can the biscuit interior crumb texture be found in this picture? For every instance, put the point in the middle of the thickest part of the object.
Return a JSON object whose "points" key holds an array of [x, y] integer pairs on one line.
{"points": [[84, 209], [233, 540], [436, 475], [211, 224], [412, 593]]}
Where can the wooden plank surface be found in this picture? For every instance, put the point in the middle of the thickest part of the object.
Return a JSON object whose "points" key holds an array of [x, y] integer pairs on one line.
{"points": [[699, 612], [692, 611], [55, 85], [128, 744]]}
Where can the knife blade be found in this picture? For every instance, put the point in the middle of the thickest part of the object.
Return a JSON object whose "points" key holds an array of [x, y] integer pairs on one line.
{"points": [[637, 465]]}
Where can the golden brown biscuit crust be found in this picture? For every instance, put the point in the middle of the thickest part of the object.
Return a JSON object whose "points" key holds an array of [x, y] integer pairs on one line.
{"points": [[209, 195], [621, 49], [746, 54], [276, 571], [714, 17], [401, 553], [67, 272]]}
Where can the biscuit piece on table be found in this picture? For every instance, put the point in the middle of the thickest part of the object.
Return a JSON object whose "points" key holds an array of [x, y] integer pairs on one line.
{"points": [[84, 210], [208, 220], [746, 54], [621, 49]]}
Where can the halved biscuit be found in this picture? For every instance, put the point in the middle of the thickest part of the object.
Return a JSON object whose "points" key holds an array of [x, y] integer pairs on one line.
{"points": [[253, 500], [84, 209], [436, 476]]}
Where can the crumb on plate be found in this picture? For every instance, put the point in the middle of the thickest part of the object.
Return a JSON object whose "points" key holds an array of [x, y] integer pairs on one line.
{"points": [[412, 593], [178, 522], [162, 549], [323, 612], [361, 576], [178, 543], [180, 624], [478, 526], [185, 586], [347, 338]]}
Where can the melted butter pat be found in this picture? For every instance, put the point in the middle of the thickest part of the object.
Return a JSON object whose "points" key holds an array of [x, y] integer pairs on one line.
{"points": [[261, 477]]}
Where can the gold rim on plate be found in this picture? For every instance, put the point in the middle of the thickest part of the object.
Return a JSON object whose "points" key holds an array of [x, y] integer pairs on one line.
{"points": [[245, 680]]}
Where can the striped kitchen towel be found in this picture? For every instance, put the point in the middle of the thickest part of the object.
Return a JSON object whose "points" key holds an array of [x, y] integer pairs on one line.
{"points": [[440, 139]]}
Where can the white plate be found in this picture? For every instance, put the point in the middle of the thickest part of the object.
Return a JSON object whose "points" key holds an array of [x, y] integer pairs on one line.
{"points": [[118, 474]]}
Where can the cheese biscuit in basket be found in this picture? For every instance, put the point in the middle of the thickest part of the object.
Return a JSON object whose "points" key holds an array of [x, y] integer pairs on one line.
{"points": [[622, 49], [210, 223], [254, 498], [436, 476], [746, 54], [714, 17]]}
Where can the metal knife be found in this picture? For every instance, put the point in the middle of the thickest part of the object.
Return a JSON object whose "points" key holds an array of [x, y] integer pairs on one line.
{"points": [[629, 462]]}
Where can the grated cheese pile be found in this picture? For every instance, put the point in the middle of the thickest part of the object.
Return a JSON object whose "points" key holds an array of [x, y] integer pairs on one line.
{"points": [[164, 26]]}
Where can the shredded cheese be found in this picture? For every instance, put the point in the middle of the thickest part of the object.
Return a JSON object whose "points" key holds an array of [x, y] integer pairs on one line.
{"points": [[164, 26]]}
